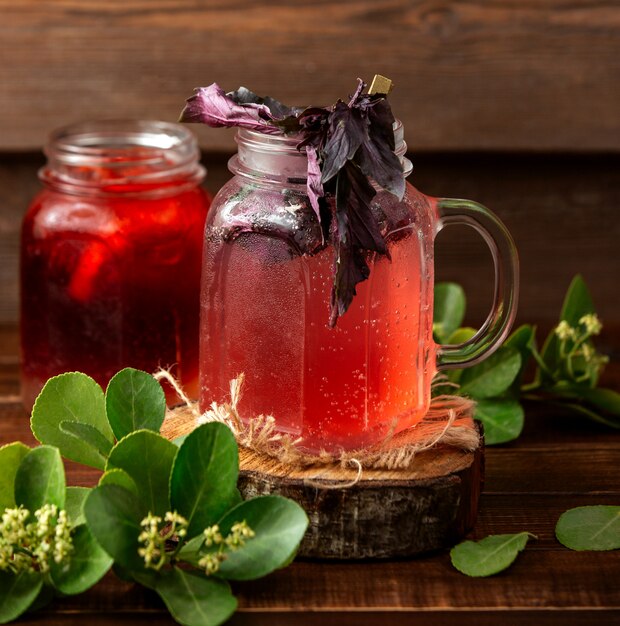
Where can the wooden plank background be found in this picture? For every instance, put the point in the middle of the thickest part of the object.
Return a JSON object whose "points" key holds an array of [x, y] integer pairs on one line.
{"points": [[470, 74]]}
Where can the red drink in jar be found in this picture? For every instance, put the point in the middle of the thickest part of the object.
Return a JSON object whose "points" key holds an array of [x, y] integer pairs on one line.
{"points": [[111, 255], [266, 287]]}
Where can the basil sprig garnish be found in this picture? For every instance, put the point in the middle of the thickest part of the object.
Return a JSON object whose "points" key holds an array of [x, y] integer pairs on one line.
{"points": [[350, 148]]}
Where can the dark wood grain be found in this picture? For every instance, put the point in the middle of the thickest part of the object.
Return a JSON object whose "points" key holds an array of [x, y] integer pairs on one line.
{"points": [[483, 74]]}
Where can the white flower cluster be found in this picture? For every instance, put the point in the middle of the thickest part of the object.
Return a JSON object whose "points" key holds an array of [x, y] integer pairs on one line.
{"points": [[156, 532], [239, 532], [33, 546], [590, 323]]}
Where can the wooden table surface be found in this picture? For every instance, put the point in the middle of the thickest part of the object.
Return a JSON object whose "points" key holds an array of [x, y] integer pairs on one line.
{"points": [[559, 462]]}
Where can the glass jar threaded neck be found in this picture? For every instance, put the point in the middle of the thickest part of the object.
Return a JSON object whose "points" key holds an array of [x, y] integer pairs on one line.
{"points": [[276, 159], [122, 157]]}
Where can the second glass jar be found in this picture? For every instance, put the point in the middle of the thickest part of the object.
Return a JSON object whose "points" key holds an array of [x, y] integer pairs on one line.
{"points": [[111, 254]]}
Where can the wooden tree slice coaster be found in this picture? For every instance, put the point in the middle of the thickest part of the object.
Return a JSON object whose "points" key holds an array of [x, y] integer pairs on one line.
{"points": [[384, 514], [397, 513]]}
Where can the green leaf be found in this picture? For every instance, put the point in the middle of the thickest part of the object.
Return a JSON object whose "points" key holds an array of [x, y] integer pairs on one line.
{"points": [[280, 525], [40, 479], [590, 528], [488, 556], [17, 593], [581, 409], [11, 456], [195, 600], [493, 376], [502, 418], [147, 457], [577, 303], [204, 476], [599, 404], [448, 310], [86, 566], [193, 550], [113, 515], [88, 434], [606, 400], [46, 595], [72, 397], [74, 504], [134, 401], [121, 478], [460, 335], [524, 340]]}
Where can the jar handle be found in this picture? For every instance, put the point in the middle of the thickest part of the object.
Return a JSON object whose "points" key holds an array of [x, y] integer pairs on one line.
{"points": [[504, 252]]}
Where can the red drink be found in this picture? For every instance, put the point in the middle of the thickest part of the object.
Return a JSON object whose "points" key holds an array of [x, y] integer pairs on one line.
{"points": [[335, 387], [111, 255]]}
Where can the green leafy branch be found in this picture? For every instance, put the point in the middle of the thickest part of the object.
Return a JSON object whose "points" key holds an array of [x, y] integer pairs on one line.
{"points": [[567, 368], [167, 515]]}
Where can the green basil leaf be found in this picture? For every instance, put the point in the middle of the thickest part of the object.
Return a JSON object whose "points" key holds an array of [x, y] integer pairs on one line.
{"points": [[194, 599], [492, 376], [134, 401], [121, 478], [204, 476], [74, 504], [488, 556], [11, 456], [40, 479], [590, 528], [502, 418], [17, 593], [87, 434], [448, 310], [279, 525], [147, 457], [113, 515], [72, 397], [86, 566]]}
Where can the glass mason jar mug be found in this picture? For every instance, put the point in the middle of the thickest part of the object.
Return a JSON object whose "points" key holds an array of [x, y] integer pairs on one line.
{"points": [[111, 254], [266, 283]]}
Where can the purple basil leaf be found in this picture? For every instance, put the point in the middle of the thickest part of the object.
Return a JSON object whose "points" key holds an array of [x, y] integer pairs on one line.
{"points": [[278, 110], [361, 85], [379, 163], [347, 131], [210, 105], [355, 232], [313, 124], [351, 269], [354, 195], [314, 186], [382, 123]]}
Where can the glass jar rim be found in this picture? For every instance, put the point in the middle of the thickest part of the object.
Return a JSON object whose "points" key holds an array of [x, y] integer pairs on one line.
{"points": [[288, 143], [267, 158], [145, 153]]}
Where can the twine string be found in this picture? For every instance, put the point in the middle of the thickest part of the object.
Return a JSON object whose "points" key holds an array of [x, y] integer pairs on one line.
{"points": [[449, 422]]}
